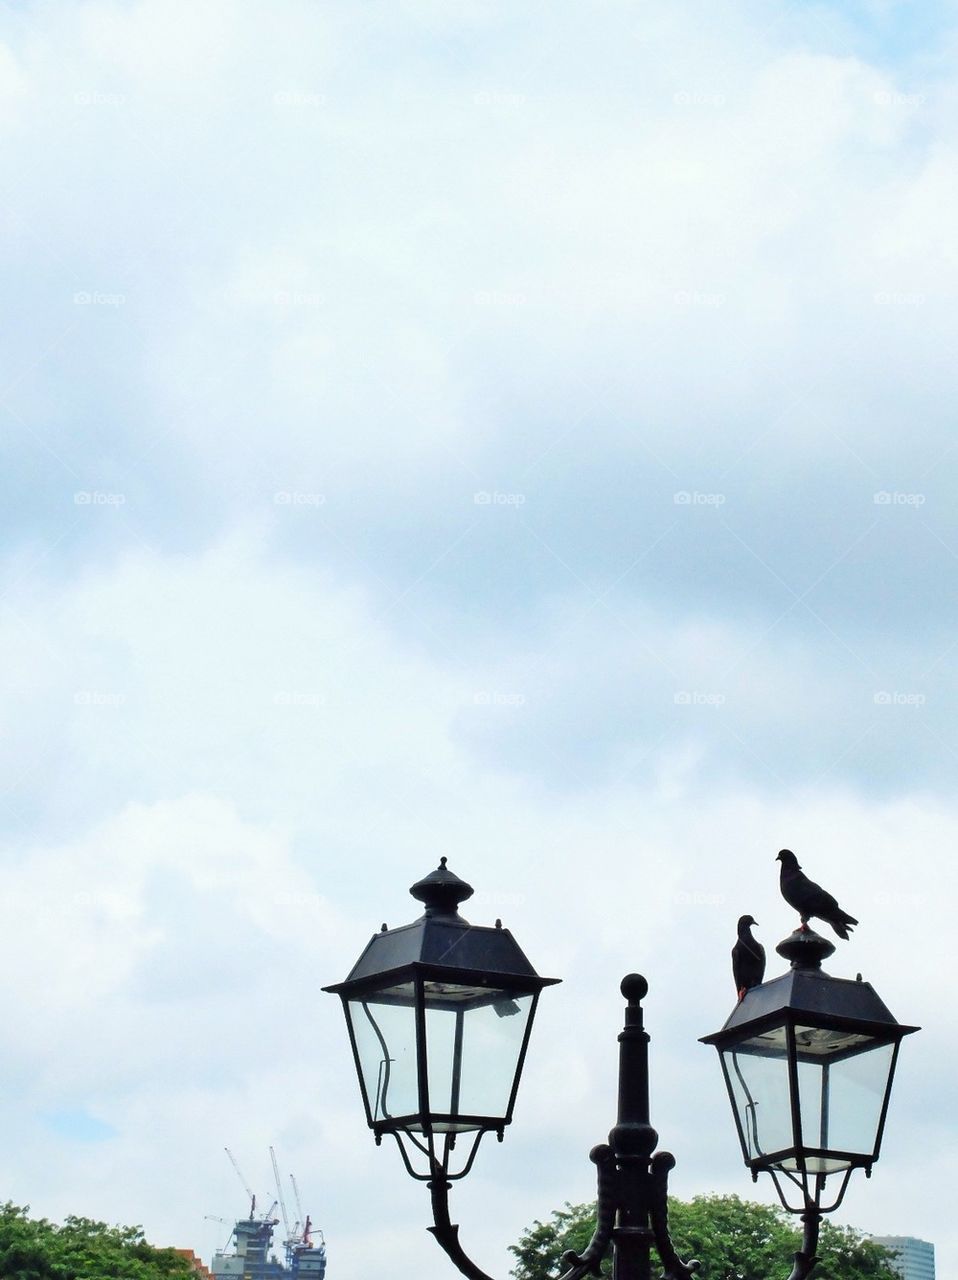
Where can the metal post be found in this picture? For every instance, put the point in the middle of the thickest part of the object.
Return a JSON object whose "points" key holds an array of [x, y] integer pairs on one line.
{"points": [[632, 1141], [805, 1258]]}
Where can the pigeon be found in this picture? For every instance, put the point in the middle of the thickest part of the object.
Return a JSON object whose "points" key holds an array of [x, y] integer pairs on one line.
{"points": [[810, 899], [748, 959]]}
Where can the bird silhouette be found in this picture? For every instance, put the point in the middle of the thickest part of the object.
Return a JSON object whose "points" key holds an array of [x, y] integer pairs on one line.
{"points": [[748, 959], [810, 899]]}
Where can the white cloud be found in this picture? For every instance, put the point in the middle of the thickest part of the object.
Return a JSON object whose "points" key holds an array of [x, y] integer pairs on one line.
{"points": [[166, 956], [372, 264]]}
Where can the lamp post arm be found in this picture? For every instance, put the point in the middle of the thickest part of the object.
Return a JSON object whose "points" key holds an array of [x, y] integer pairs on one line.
{"points": [[447, 1231], [579, 1265], [805, 1258]]}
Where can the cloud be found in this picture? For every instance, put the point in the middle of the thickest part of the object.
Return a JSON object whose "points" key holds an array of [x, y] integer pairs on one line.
{"points": [[517, 438], [240, 830]]}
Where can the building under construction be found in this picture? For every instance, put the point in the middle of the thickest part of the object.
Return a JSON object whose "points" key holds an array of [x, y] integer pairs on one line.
{"points": [[249, 1253]]}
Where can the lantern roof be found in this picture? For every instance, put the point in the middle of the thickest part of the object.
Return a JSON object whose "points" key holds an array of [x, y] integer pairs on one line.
{"points": [[806, 994], [441, 939]]}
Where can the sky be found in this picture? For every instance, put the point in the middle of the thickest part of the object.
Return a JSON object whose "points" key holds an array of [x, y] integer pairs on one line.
{"points": [[519, 433]]}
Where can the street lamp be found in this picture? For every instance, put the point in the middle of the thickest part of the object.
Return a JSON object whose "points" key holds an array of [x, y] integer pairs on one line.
{"points": [[439, 1014], [808, 1061]]}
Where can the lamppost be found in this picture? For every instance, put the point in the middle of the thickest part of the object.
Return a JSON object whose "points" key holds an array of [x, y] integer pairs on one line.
{"points": [[808, 1061], [439, 1014]]}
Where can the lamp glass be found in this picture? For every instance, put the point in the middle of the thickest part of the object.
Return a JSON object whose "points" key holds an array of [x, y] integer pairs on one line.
{"points": [[757, 1070], [472, 1051], [843, 1079], [474, 1044], [383, 1028]]}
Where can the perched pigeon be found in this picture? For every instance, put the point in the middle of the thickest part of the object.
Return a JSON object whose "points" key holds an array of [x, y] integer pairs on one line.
{"points": [[748, 958], [809, 898]]}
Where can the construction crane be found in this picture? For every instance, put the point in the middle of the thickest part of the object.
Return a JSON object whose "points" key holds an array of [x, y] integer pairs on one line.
{"points": [[214, 1217], [279, 1192], [239, 1174], [299, 1208]]}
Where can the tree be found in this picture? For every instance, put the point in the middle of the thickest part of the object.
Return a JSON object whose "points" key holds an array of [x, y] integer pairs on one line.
{"points": [[733, 1239], [81, 1249]]}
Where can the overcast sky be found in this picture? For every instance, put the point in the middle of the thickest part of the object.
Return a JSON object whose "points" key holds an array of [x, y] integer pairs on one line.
{"points": [[520, 432]]}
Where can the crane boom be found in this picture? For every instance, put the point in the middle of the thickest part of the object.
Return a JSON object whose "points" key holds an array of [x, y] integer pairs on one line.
{"points": [[299, 1207], [279, 1192], [246, 1188]]}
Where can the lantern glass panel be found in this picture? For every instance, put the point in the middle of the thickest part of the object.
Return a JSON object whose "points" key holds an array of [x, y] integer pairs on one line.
{"points": [[383, 1024], [757, 1070], [474, 1041], [843, 1080]]}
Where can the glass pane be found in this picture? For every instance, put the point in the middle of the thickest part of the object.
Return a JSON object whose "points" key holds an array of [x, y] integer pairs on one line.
{"points": [[760, 1088], [842, 1080], [492, 1044], [857, 1092], [472, 1055], [813, 1096], [385, 1035]]}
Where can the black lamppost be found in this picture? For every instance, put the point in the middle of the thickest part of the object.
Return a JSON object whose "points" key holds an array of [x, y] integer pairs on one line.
{"points": [[439, 1014], [808, 1061]]}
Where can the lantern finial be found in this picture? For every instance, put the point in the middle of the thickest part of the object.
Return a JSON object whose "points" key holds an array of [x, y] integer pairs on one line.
{"points": [[805, 948], [441, 891]]}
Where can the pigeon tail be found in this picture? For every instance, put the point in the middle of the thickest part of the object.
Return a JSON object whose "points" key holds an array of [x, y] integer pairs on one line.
{"points": [[843, 925]]}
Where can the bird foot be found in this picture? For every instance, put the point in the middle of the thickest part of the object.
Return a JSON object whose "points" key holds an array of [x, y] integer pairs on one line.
{"points": [[741, 994]]}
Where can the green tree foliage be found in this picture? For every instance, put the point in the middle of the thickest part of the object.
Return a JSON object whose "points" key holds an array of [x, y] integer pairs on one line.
{"points": [[733, 1239], [81, 1249]]}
